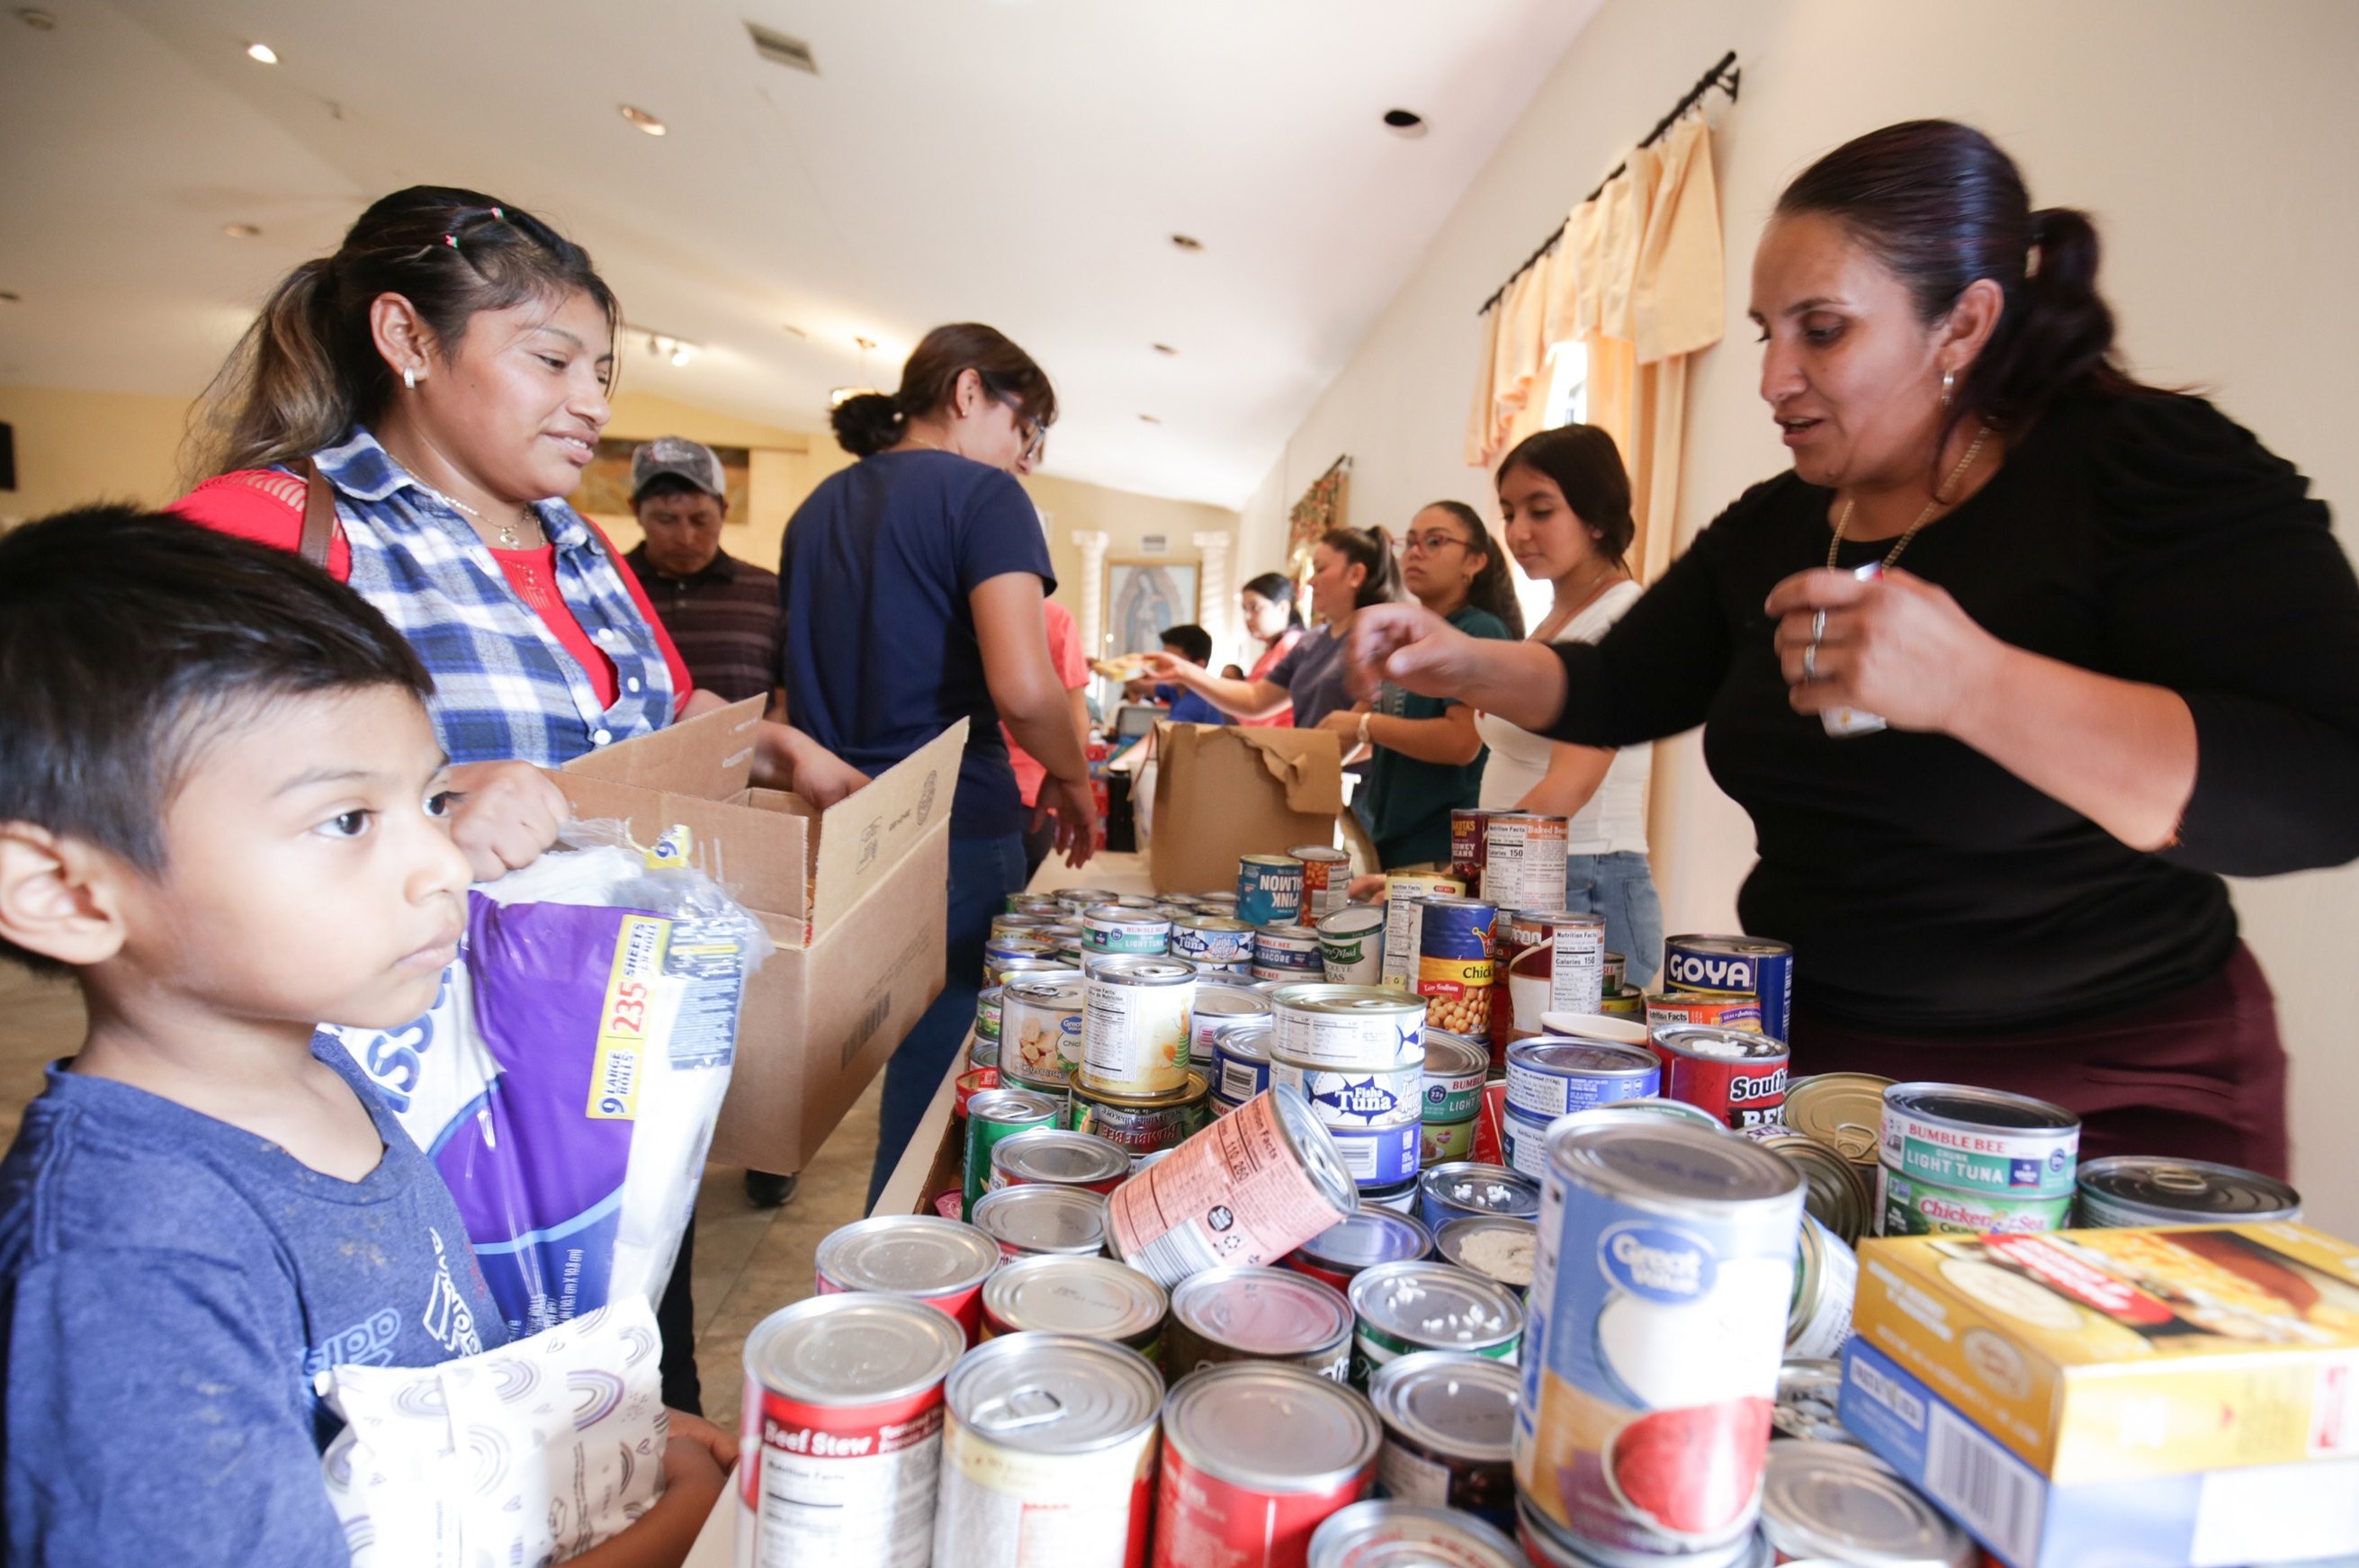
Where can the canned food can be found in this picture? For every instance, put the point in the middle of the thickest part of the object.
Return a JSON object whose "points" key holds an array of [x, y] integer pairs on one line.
{"points": [[1623, 1005], [1076, 901], [982, 1052], [942, 1262], [1545, 1547], [1387, 1534], [1468, 847], [1810, 1396], [1829, 1502], [1400, 1197], [1269, 889], [1056, 1157], [2146, 1190], [1048, 1455], [1980, 1140], [1497, 1247], [1241, 1058], [992, 1117], [1255, 1459], [1832, 1190], [1254, 1313], [1638, 1434], [1351, 945], [1826, 1283], [841, 1432], [1095, 1298], [1842, 1110], [1219, 1004], [1220, 940], [1523, 860], [1289, 951], [1358, 1241], [1021, 922], [1141, 1125], [1326, 879], [1455, 1071], [1490, 1118], [1705, 1009], [1040, 1029], [972, 1082], [1000, 951], [1440, 1143], [1371, 1112], [1404, 894], [1454, 968], [1116, 928], [1022, 902], [1450, 1432], [987, 1014], [1739, 1077], [1034, 1221], [1250, 1188], [1651, 1108], [1552, 960], [1614, 971], [1910, 1206], [1347, 1026], [1134, 1026], [1406, 1307], [1219, 901], [1523, 1141], [1008, 972], [1448, 1192], [1749, 964], [1548, 1078], [1175, 909]]}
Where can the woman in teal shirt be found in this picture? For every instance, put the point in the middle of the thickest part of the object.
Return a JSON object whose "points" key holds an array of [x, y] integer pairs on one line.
{"points": [[1426, 760]]}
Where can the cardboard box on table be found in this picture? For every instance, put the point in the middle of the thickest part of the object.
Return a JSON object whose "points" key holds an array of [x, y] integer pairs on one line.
{"points": [[854, 897], [1221, 793]]}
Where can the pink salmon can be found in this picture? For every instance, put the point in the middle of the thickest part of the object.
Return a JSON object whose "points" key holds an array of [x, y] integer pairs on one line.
{"points": [[1250, 1188], [925, 1258]]}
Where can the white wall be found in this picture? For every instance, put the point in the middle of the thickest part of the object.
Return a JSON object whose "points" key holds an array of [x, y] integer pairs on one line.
{"points": [[2215, 145]]}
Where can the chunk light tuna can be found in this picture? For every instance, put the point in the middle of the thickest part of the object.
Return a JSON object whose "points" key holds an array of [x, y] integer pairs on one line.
{"points": [[1973, 1140], [1548, 1078], [1753, 964], [1403, 1308], [2143, 1189]]}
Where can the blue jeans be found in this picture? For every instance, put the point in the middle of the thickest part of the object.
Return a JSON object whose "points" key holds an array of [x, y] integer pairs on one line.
{"points": [[1621, 888], [983, 871]]}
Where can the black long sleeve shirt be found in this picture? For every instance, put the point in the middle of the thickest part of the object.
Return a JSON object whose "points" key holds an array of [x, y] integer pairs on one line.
{"points": [[1928, 890]]}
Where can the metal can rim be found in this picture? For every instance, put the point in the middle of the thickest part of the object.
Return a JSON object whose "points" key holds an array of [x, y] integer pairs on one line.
{"points": [[1120, 1368], [762, 1345], [1438, 1277], [1193, 1392]]}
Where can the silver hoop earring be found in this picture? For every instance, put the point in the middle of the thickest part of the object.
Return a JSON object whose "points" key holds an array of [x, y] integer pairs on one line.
{"points": [[1948, 388], [409, 379]]}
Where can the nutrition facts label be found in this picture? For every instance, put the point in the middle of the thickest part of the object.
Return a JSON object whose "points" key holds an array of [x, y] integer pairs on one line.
{"points": [[1007, 1509], [849, 1500]]}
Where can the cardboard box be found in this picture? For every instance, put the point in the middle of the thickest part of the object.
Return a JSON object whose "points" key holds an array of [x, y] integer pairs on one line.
{"points": [[1221, 793], [2263, 1513], [854, 897], [2098, 1356]]}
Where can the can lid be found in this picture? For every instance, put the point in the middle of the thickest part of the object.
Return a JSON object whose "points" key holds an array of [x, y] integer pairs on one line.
{"points": [[1833, 1193], [1193, 1087], [1054, 1393], [1367, 1238], [1650, 1162], [1449, 1402], [1842, 1110], [1436, 1304], [1718, 1044], [1646, 1107], [907, 1255], [1490, 1189], [1116, 912], [1141, 969], [1270, 1428], [1353, 919], [1308, 1136], [1966, 1105], [853, 1348], [1321, 851], [1453, 1056], [2144, 1185], [1197, 920], [1809, 1392], [1095, 1297], [1007, 1104], [1830, 1500], [1056, 1155], [1497, 1246], [1386, 1534], [1238, 1001], [1582, 1059], [1594, 1026], [1034, 1217], [1748, 946], [1248, 1041], [1262, 1310], [1062, 992]]}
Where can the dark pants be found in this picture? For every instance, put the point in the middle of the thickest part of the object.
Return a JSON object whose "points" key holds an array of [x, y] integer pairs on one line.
{"points": [[2197, 1075], [676, 1321], [983, 871]]}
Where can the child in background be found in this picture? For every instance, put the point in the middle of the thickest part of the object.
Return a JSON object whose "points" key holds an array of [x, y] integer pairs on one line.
{"points": [[1194, 644], [222, 810]]}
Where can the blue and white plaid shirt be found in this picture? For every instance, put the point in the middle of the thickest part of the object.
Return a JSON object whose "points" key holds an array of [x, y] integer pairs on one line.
{"points": [[504, 688]]}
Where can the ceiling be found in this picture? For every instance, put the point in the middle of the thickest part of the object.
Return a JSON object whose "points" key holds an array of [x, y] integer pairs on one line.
{"points": [[1022, 162]]}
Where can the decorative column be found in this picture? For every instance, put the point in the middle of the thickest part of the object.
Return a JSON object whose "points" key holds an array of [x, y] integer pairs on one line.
{"points": [[1217, 610], [1092, 545]]}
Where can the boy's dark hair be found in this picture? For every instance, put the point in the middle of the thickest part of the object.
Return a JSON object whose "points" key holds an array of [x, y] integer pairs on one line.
{"points": [[126, 637], [1194, 643]]}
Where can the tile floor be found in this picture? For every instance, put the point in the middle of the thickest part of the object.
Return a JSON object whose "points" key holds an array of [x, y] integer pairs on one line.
{"points": [[749, 1262]]}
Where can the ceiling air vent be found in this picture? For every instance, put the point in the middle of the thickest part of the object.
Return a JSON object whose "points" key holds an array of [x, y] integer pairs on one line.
{"points": [[780, 49]]}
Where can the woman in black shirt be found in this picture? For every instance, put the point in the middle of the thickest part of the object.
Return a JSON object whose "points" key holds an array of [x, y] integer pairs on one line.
{"points": [[2120, 661]]}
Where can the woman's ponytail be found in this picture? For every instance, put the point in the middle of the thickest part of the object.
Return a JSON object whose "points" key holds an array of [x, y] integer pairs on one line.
{"points": [[866, 423], [1372, 551], [2058, 331], [283, 394]]}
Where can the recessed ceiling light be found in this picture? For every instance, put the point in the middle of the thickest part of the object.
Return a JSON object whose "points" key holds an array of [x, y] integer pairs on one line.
{"points": [[40, 21], [1165, 350], [642, 119], [241, 231], [1150, 420], [263, 53], [1405, 122], [1186, 242]]}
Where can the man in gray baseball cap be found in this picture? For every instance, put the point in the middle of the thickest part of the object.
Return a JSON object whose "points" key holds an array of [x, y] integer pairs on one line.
{"points": [[722, 612]]}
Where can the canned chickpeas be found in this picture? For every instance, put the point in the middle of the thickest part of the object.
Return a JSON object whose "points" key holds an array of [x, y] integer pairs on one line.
{"points": [[1454, 967]]}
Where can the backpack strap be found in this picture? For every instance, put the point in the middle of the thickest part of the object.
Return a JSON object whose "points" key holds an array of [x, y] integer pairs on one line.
{"points": [[319, 516]]}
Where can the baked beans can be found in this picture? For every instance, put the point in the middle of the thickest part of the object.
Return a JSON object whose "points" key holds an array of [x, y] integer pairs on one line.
{"points": [[1406, 1307], [1095, 1298], [1360, 1241], [1117, 927], [1833, 1192], [1134, 1026], [1638, 1432], [1980, 1140], [1832, 1503], [1387, 1534], [1450, 1432], [1218, 939], [1494, 1245], [1040, 1030], [1253, 1313], [1326, 879], [1470, 1187], [1454, 964], [1468, 847], [1034, 1220], [1048, 1455], [1404, 893], [841, 1432], [2146, 1190], [1321, 1025], [1255, 1459], [991, 1116], [1826, 1283], [1287, 951], [1269, 889], [1455, 1071], [1056, 1156], [1241, 1060], [942, 1262], [1763, 968], [1141, 1125], [1842, 1110], [1351, 945], [1737, 1075], [1523, 860], [1372, 1114], [1907, 1205], [1250, 1188], [1547, 1078], [1220, 1003]]}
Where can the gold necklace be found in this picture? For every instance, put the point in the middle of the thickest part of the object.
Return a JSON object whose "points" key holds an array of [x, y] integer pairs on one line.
{"points": [[1940, 499], [508, 539]]}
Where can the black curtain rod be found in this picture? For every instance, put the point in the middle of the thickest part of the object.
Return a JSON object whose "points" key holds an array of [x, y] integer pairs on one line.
{"points": [[1724, 75]]}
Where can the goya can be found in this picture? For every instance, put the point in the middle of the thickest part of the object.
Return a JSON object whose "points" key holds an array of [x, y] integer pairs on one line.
{"points": [[1360, 1241], [1825, 1502], [1387, 1534], [1454, 966], [1095, 1298], [1351, 945], [1548, 1078], [1524, 859], [1241, 1060], [1253, 1313], [1749, 964], [942, 1262], [1468, 846], [1117, 928], [1371, 1112], [2146, 1190], [1453, 1192], [1494, 1245], [1034, 1220], [1255, 1460], [1048, 1455], [1269, 889], [1705, 1009], [1250, 1188], [1347, 1026], [1141, 1125], [1040, 1030], [1906, 1205], [1736, 1075], [1407, 1306], [1833, 1190], [1287, 951], [1450, 1432], [1326, 878], [1220, 1003], [1639, 1433], [840, 1434], [1405, 895], [995, 1115], [1056, 1157], [1217, 940], [1826, 1283], [1980, 1140], [1134, 1026]]}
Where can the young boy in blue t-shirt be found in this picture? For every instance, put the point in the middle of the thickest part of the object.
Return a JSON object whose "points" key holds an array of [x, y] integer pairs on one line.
{"points": [[222, 810]]}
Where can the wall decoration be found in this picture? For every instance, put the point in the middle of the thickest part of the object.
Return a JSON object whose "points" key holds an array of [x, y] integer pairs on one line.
{"points": [[607, 483], [1321, 508], [1144, 596]]}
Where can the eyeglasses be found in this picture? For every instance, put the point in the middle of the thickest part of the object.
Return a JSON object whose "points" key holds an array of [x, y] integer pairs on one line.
{"points": [[1428, 544], [1035, 433]]}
